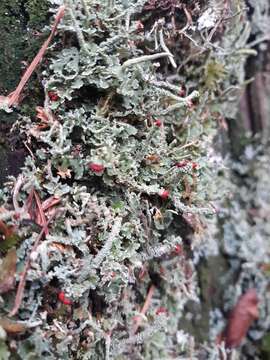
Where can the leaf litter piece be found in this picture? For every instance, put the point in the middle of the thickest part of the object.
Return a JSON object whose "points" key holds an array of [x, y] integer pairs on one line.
{"points": [[241, 318], [144, 309], [7, 271]]}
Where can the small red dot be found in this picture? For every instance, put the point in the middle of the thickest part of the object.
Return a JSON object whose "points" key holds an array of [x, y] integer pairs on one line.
{"points": [[178, 249], [161, 310], [164, 194], [182, 163], [97, 168], [53, 96], [161, 270], [16, 216], [182, 92], [194, 166], [63, 299], [158, 123]]}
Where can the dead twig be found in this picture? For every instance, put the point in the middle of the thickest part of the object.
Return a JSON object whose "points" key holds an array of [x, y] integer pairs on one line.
{"points": [[28, 148], [21, 286], [41, 218], [15, 194], [13, 97], [189, 20], [144, 309]]}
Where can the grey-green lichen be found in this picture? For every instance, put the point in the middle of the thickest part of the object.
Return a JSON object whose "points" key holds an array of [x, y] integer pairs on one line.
{"points": [[121, 155]]}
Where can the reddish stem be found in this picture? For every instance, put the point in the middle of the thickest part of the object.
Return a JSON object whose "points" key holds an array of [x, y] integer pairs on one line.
{"points": [[13, 98], [144, 308], [21, 286]]}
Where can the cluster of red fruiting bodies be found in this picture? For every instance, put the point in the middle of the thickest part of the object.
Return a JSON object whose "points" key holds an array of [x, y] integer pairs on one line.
{"points": [[158, 123], [63, 299], [96, 168], [164, 194], [232, 340]]}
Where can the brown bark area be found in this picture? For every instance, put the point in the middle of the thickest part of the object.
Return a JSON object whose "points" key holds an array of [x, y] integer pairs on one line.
{"points": [[255, 102]]}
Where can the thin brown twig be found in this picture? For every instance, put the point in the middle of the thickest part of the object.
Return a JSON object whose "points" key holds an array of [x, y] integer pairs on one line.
{"points": [[13, 97], [189, 20], [225, 10], [21, 286], [144, 308], [28, 148], [16, 191], [41, 218]]}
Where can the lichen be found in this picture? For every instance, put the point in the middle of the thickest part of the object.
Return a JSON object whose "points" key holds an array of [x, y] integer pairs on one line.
{"points": [[121, 182]]}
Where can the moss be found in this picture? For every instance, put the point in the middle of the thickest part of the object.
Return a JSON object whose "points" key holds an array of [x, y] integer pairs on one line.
{"points": [[19, 23], [11, 158], [266, 347], [38, 12], [12, 26], [214, 73], [3, 164], [209, 271]]}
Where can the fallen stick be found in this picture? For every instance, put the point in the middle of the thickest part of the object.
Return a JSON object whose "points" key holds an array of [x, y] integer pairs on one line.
{"points": [[144, 309], [21, 286], [13, 97]]}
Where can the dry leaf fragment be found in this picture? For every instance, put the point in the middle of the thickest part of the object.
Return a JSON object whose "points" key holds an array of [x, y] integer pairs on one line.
{"points": [[35, 209], [241, 318], [43, 116], [64, 172], [12, 327], [50, 202], [6, 230], [7, 271], [8, 237], [40, 211], [63, 248], [40, 216], [152, 159]]}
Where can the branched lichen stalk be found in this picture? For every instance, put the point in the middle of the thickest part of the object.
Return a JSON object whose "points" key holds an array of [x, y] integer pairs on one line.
{"points": [[182, 102], [78, 30], [144, 58], [108, 244], [165, 48], [86, 9]]}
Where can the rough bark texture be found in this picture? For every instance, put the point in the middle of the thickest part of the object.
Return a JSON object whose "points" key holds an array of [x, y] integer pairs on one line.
{"points": [[255, 104]]}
